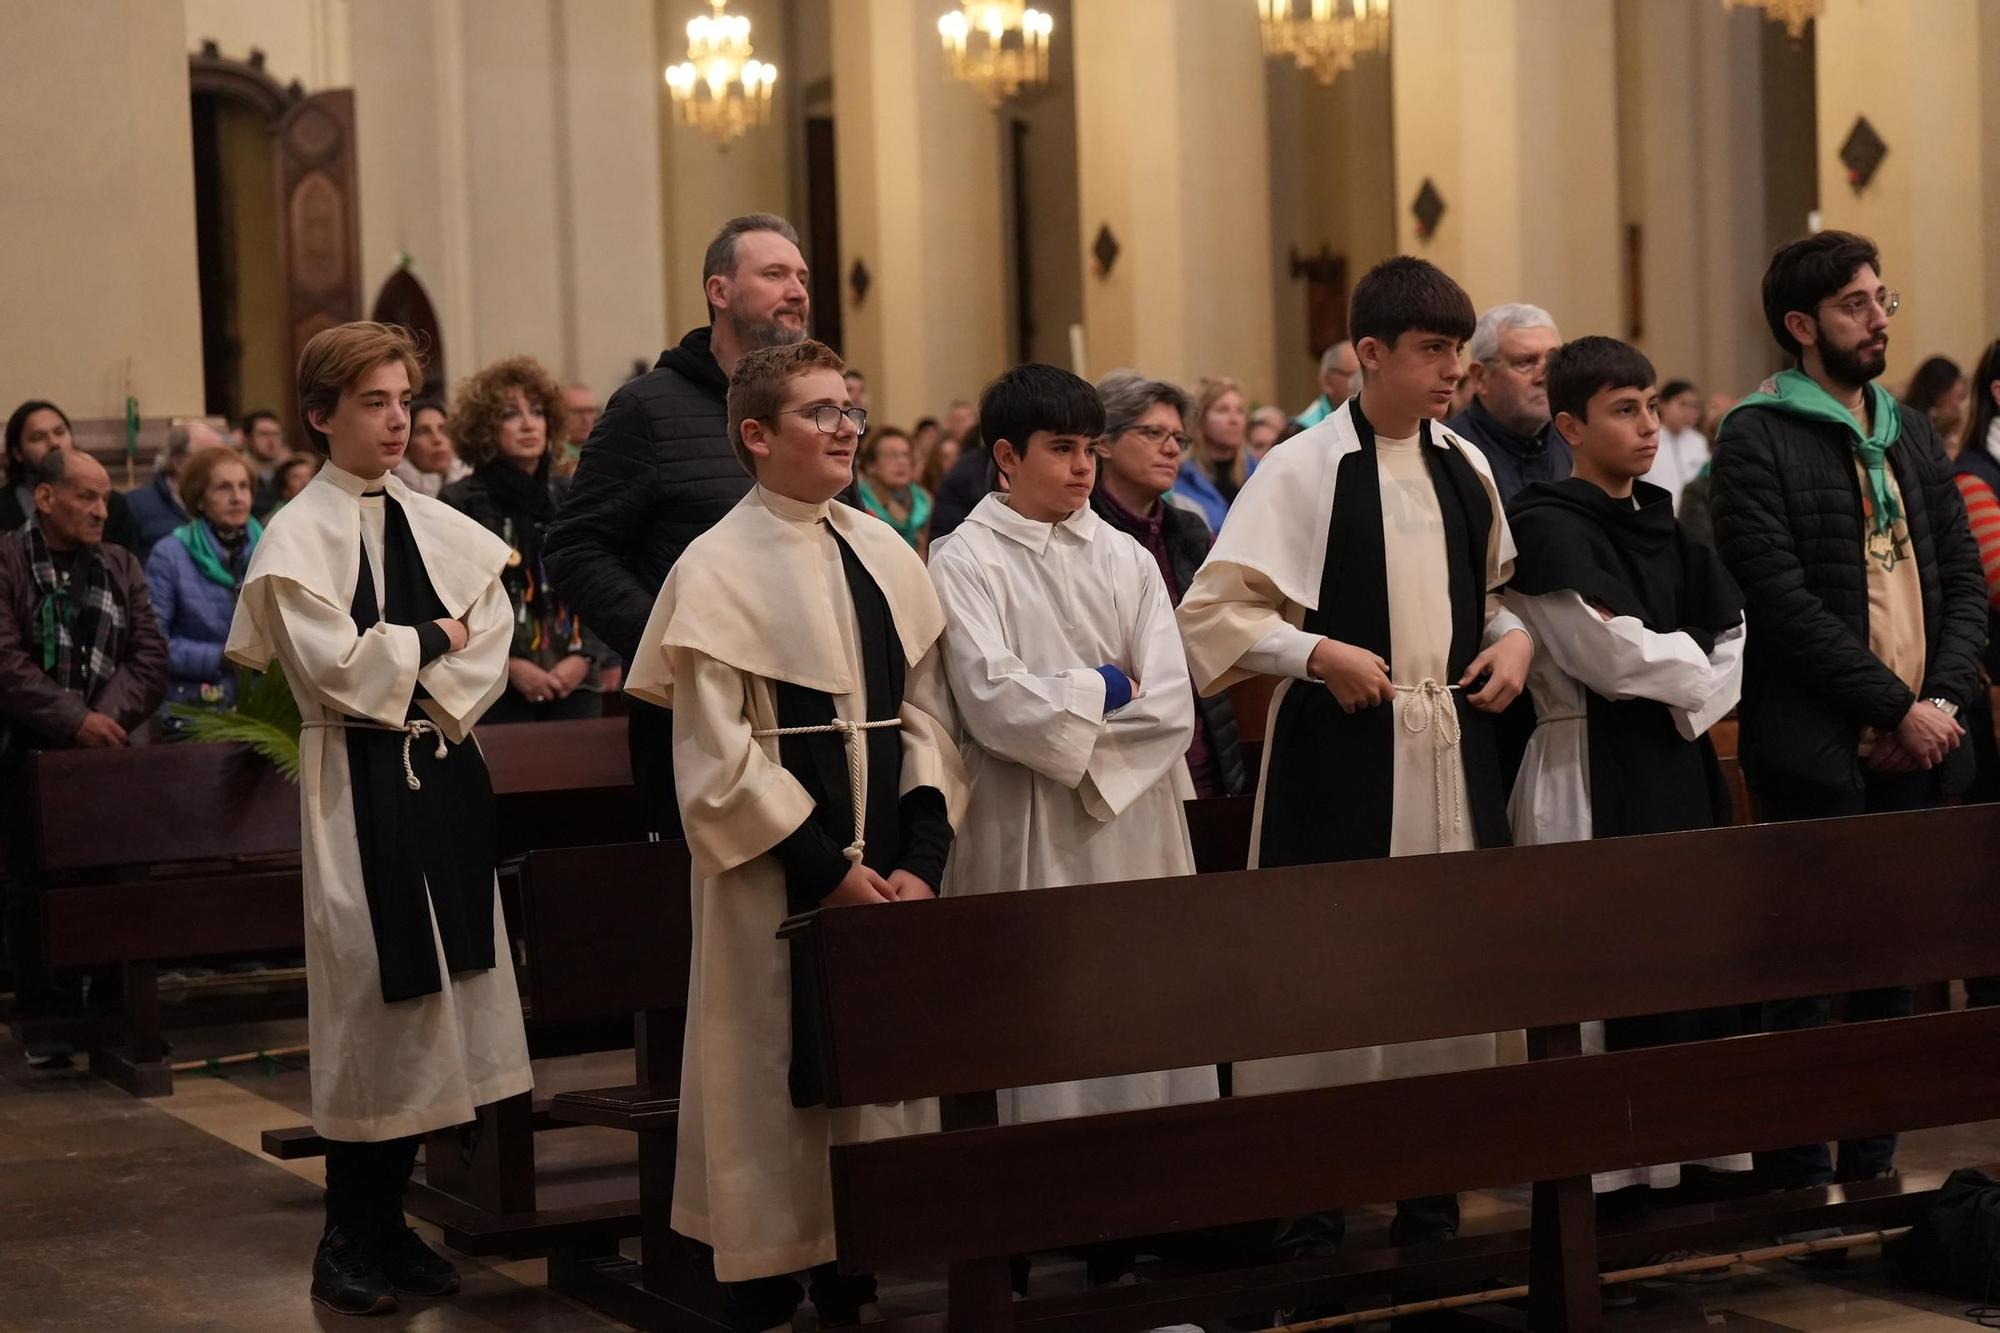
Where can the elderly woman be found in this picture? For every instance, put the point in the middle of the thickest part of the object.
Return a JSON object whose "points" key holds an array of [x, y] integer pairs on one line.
{"points": [[508, 422], [889, 488], [195, 572], [1215, 464], [1144, 441]]}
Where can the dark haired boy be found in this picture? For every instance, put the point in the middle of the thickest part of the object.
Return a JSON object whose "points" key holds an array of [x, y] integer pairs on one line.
{"points": [[1362, 562], [795, 642], [1836, 511]]}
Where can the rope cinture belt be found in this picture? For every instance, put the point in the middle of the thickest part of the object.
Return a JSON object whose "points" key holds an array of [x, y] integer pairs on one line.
{"points": [[1429, 707], [851, 731], [410, 730]]}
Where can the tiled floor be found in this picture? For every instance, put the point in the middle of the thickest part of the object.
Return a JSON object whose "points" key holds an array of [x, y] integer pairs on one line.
{"points": [[128, 1216]]}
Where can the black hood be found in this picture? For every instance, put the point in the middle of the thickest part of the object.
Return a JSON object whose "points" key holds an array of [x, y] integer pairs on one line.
{"points": [[694, 360]]}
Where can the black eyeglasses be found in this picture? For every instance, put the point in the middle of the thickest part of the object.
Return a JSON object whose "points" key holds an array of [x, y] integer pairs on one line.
{"points": [[827, 417], [1159, 435]]}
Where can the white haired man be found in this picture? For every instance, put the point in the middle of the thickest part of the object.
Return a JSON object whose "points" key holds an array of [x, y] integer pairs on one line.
{"points": [[1338, 371], [1508, 418]]}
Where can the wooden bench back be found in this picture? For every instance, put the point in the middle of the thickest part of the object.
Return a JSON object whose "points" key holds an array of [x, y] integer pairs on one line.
{"points": [[1108, 979], [607, 928]]}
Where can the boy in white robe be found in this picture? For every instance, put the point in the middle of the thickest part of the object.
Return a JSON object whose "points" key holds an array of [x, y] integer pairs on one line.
{"points": [[1362, 563], [1639, 650], [799, 615], [1069, 681], [386, 610]]}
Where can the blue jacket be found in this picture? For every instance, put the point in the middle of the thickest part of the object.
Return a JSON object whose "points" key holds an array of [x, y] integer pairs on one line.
{"points": [[194, 613], [156, 510], [1194, 484]]}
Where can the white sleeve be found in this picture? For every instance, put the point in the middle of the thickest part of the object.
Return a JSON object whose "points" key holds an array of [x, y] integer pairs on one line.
{"points": [[1046, 723], [371, 675], [1143, 741], [462, 685], [1285, 652], [1621, 659]]}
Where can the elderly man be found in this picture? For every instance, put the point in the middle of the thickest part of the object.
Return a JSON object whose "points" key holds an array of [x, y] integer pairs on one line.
{"points": [[156, 506], [581, 410], [658, 470], [82, 663], [1508, 418], [1337, 372]]}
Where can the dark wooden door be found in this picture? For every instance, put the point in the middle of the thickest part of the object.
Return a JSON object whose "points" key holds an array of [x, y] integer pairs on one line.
{"points": [[320, 236]]}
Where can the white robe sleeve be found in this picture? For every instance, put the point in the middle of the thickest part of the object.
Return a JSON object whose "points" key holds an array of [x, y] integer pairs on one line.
{"points": [[736, 801], [463, 684], [1145, 739], [1236, 624], [371, 675], [1621, 659], [1049, 724], [930, 756]]}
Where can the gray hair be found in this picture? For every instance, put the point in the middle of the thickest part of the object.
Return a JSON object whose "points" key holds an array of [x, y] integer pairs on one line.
{"points": [[721, 256], [179, 437], [52, 468], [1331, 356], [1485, 344], [1128, 395]]}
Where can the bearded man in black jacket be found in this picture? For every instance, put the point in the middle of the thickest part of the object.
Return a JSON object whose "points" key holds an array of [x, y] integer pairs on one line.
{"points": [[658, 470]]}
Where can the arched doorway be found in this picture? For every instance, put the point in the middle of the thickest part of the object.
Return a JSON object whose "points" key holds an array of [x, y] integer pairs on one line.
{"points": [[276, 236], [404, 302]]}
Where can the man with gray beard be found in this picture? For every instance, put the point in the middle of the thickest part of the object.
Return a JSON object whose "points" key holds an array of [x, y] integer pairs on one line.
{"points": [[658, 471]]}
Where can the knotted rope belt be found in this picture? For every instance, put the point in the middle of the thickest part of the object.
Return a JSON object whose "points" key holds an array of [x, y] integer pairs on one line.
{"points": [[852, 732], [411, 731], [1428, 706]]}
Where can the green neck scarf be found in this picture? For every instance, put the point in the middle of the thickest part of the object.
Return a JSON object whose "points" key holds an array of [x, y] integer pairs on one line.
{"points": [[1796, 393], [200, 543]]}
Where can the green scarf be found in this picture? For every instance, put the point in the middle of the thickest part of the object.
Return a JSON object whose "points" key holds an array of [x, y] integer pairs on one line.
{"points": [[200, 543], [1798, 394]]}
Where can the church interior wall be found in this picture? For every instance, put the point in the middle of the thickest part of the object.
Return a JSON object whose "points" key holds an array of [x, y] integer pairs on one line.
{"points": [[303, 41]]}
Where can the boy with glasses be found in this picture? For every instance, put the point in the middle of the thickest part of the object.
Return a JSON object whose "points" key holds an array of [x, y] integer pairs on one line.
{"points": [[795, 642]]}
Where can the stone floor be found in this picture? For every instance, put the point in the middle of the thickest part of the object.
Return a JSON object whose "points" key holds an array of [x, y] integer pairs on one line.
{"points": [[134, 1216]]}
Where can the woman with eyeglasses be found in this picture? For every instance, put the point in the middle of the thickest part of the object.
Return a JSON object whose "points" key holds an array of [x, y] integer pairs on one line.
{"points": [[1143, 446], [885, 477]]}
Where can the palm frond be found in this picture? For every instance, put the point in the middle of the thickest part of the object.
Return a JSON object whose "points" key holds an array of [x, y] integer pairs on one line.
{"points": [[266, 718]]}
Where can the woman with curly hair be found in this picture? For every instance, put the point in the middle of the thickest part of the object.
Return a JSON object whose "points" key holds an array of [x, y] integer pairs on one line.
{"points": [[507, 422]]}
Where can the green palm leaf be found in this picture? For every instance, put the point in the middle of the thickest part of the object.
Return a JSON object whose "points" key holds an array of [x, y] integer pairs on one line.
{"points": [[266, 718]]}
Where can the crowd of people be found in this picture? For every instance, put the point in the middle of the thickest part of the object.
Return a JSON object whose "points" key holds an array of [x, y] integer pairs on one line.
{"points": [[1506, 582]]}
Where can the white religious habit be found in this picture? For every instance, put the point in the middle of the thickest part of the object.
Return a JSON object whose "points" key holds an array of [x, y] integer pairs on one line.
{"points": [[1681, 456], [382, 1069], [1298, 550], [759, 603], [1062, 792]]}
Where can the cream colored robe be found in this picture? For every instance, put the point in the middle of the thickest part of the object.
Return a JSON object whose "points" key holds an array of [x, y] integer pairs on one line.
{"points": [[759, 598], [1241, 617], [380, 1070], [1061, 792]]}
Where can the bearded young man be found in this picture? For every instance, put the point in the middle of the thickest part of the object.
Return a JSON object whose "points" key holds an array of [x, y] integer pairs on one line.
{"points": [[1836, 512], [658, 469]]}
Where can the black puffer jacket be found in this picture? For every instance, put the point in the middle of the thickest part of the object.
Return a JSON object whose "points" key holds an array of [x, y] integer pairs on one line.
{"points": [[1788, 524], [655, 474]]}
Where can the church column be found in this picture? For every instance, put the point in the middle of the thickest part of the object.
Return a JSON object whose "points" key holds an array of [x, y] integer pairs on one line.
{"points": [[1173, 159], [1919, 74], [920, 210], [1492, 93]]}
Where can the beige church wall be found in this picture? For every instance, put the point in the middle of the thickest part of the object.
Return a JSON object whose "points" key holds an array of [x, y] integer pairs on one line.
{"points": [[97, 207], [920, 206], [1914, 70], [303, 41], [1333, 187], [1173, 153], [1509, 107], [701, 185]]}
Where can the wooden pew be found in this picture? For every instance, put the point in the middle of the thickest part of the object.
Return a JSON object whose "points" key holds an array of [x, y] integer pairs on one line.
{"points": [[1228, 968]]}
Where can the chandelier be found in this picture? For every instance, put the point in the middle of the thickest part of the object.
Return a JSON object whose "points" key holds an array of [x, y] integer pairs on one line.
{"points": [[1327, 39], [997, 46], [1794, 14], [720, 89]]}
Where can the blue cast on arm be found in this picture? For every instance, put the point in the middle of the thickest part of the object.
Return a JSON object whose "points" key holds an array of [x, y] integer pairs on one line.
{"points": [[1117, 688]]}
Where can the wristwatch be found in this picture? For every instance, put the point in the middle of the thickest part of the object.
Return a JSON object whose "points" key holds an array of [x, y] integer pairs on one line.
{"points": [[1945, 706]]}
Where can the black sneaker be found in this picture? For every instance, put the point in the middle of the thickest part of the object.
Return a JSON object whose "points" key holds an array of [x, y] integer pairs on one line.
{"points": [[414, 1268], [348, 1278]]}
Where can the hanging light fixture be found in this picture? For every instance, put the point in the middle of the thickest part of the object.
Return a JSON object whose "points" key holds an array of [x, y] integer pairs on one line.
{"points": [[997, 46], [1794, 14], [720, 88], [1327, 38]]}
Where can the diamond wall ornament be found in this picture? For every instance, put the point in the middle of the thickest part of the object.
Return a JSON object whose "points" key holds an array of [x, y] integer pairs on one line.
{"points": [[859, 279], [1862, 153], [1428, 207], [1104, 250]]}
